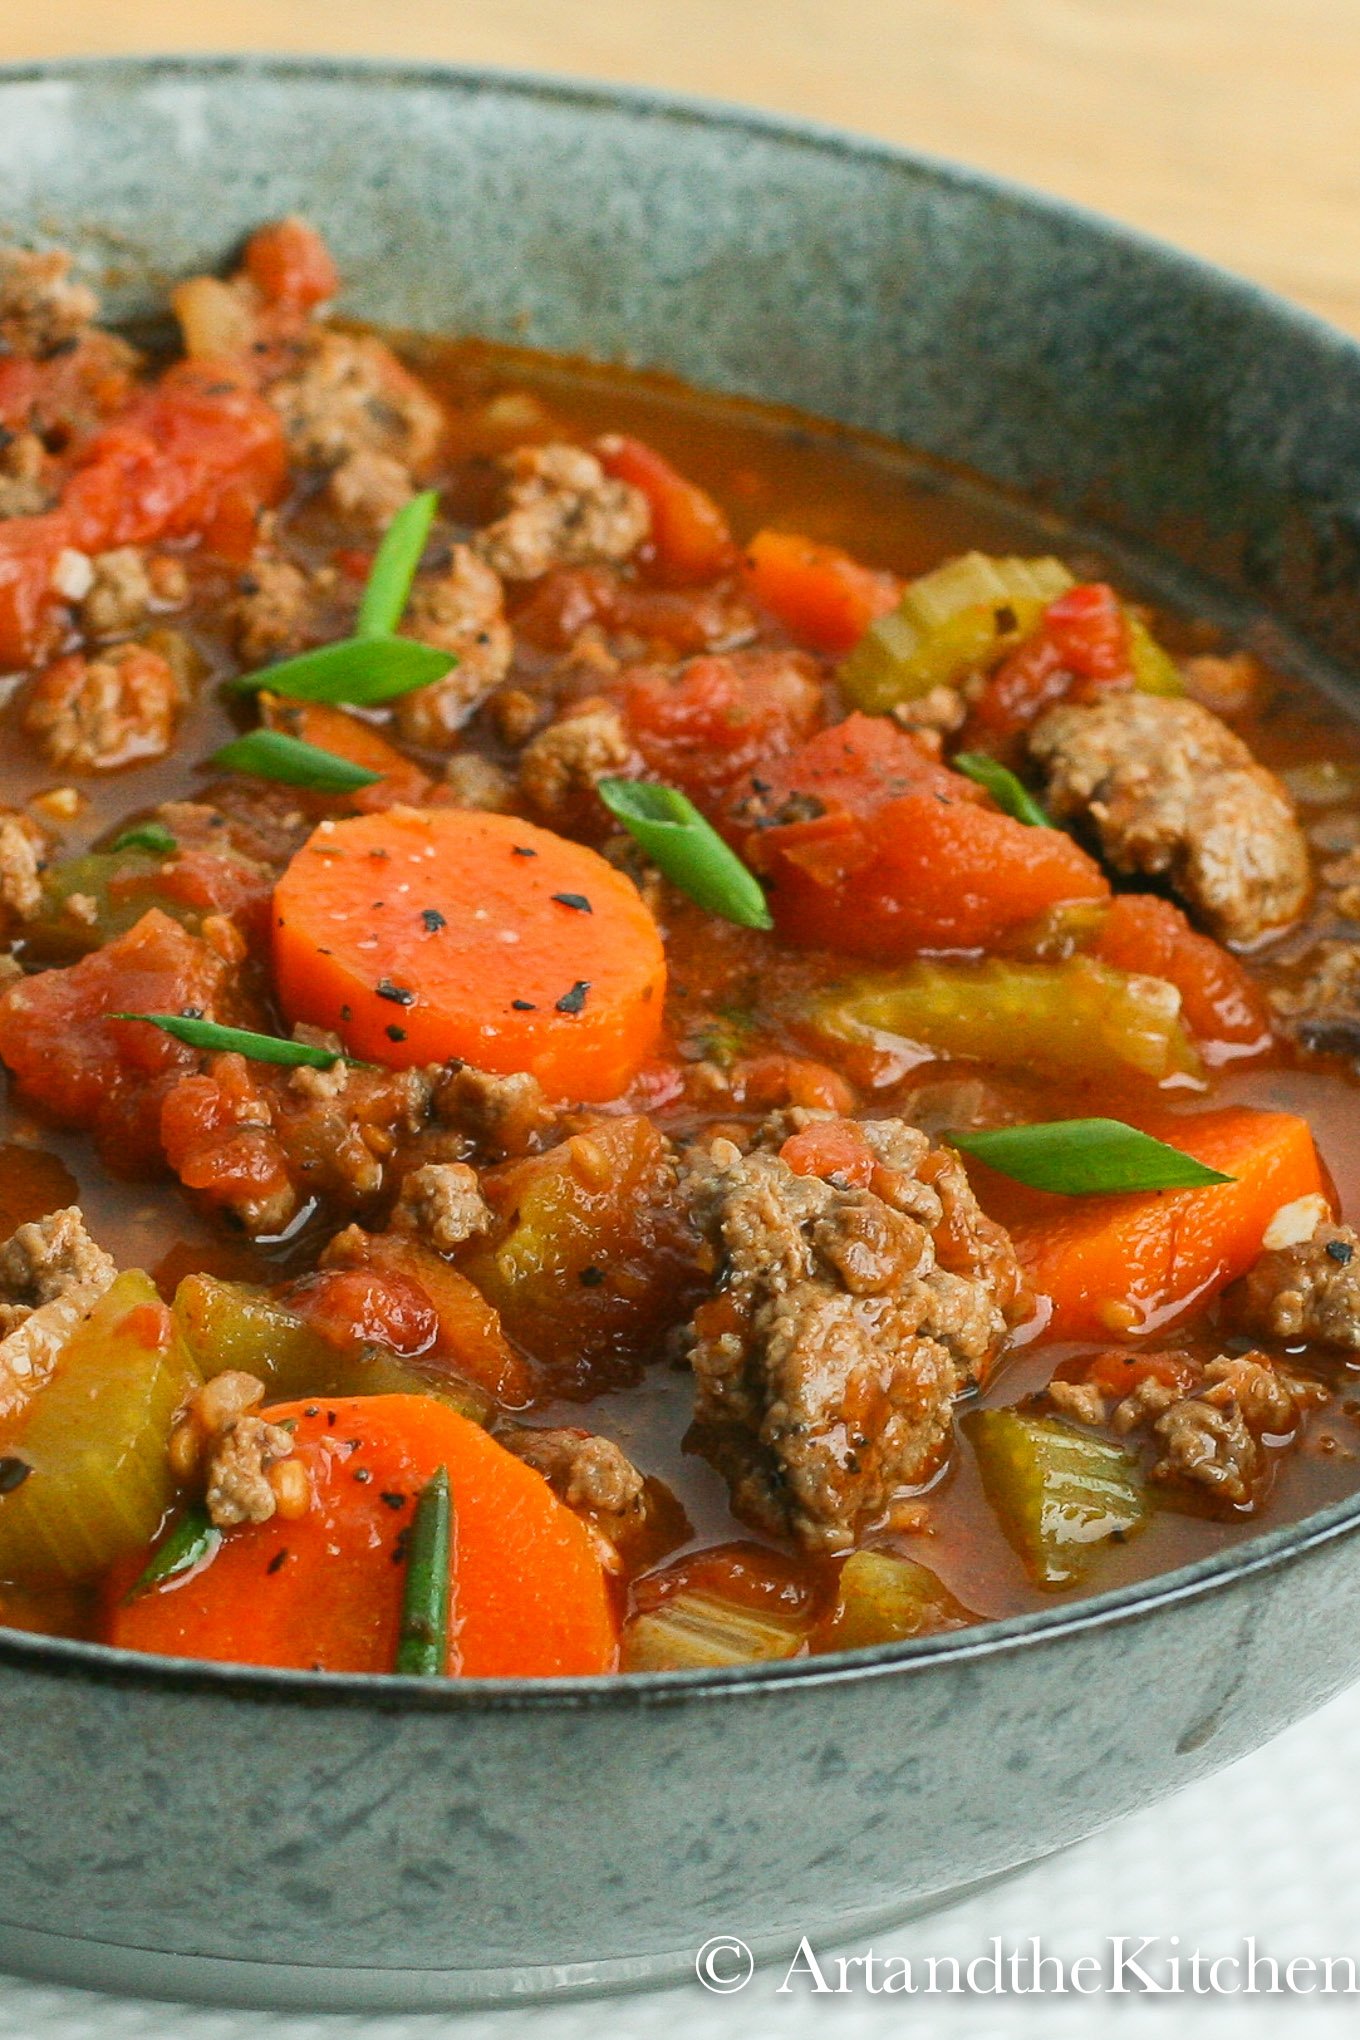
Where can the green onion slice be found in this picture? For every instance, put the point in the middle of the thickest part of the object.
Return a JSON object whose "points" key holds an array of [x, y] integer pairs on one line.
{"points": [[273, 754], [267, 1048], [423, 1639], [1011, 795], [388, 588], [153, 836], [358, 671], [1085, 1157], [194, 1538], [687, 849]]}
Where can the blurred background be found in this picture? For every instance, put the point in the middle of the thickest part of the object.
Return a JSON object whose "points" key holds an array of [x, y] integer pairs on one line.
{"points": [[1229, 126]]}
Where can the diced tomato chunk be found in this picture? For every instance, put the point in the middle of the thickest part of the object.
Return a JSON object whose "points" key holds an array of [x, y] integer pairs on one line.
{"points": [[720, 718], [690, 538], [818, 592], [1223, 1005], [831, 1148], [83, 1068], [197, 446], [290, 264], [905, 856], [1081, 646], [1120, 1372], [367, 1304], [29, 550]]}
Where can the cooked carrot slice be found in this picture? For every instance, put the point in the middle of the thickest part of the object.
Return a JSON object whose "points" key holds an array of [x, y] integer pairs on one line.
{"points": [[529, 1598], [1138, 1263], [823, 596], [424, 934]]}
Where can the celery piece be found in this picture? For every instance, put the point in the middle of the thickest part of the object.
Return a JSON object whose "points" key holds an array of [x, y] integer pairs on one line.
{"points": [[1079, 1019], [1154, 669], [95, 1438], [230, 1325], [882, 1598], [969, 612], [112, 890], [694, 1630], [1059, 1494]]}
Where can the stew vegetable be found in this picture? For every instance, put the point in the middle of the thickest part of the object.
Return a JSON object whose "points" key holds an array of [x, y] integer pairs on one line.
{"points": [[640, 1034]]}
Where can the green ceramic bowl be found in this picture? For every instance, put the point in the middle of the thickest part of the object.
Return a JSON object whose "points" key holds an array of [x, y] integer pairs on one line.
{"points": [[279, 1837]]}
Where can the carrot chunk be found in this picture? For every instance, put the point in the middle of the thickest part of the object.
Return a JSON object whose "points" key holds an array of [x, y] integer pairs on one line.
{"points": [[820, 594], [348, 736], [1137, 1263], [424, 934], [528, 1596]]}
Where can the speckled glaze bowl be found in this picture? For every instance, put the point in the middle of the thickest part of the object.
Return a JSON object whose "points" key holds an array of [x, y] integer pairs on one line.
{"points": [[283, 1838]]}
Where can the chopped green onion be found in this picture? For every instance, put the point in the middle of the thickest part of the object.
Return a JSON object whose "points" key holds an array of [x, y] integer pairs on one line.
{"points": [[153, 836], [388, 588], [423, 1639], [266, 1048], [359, 671], [1011, 795], [687, 849], [272, 754], [1085, 1157], [194, 1538]]}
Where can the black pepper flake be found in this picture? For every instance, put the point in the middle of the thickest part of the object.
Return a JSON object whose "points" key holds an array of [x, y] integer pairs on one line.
{"points": [[522, 850], [523, 1006], [330, 1418], [401, 1544], [191, 1012], [574, 1000], [379, 855], [278, 1561], [1340, 1250], [13, 1473], [312, 1410], [395, 1033], [433, 919], [392, 1499], [398, 994], [362, 1475], [577, 901], [347, 1012], [591, 1278]]}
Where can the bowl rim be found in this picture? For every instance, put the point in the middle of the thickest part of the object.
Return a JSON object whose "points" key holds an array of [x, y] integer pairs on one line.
{"points": [[70, 1658]]}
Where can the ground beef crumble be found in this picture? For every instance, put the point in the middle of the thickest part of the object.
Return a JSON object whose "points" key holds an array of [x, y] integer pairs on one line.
{"points": [[564, 511], [1171, 791], [846, 1322], [51, 1276]]}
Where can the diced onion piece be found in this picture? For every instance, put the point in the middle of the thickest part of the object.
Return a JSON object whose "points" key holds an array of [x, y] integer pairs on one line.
{"points": [[1059, 1494], [1294, 1223], [1078, 1019], [694, 1630], [95, 1437], [215, 318], [967, 613], [882, 1598]]}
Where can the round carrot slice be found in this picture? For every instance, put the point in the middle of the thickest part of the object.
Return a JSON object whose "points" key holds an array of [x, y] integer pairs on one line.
{"points": [[423, 934], [528, 1597]]}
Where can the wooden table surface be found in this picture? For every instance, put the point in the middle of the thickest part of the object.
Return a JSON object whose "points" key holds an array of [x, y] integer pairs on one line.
{"points": [[1229, 126]]}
